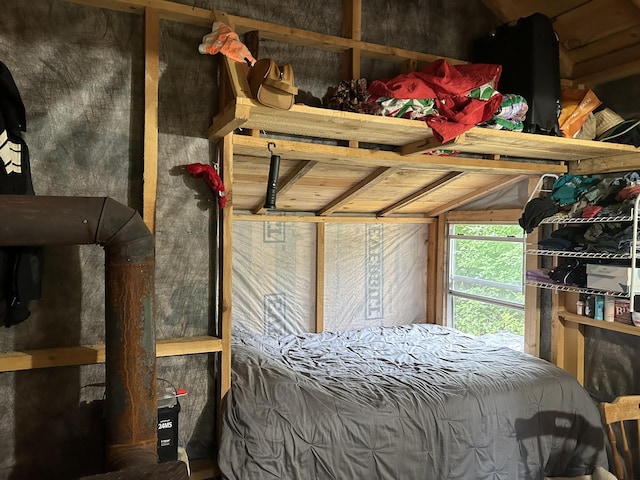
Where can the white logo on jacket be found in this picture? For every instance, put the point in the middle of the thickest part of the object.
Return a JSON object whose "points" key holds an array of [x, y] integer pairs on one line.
{"points": [[11, 154]]}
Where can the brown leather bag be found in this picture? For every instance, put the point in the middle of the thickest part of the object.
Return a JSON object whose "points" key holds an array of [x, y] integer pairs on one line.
{"points": [[271, 84]]}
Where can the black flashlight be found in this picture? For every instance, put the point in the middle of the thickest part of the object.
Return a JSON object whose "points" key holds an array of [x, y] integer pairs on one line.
{"points": [[272, 184]]}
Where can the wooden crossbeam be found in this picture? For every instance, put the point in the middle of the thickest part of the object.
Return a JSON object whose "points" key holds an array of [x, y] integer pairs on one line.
{"points": [[366, 184], [441, 182]]}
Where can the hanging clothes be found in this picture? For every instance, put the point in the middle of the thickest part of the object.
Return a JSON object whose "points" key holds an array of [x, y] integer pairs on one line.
{"points": [[20, 267]]}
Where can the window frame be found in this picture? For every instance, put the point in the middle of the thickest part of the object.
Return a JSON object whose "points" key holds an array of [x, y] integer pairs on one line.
{"points": [[452, 294]]}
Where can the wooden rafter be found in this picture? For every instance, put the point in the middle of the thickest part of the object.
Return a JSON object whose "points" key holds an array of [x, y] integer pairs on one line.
{"points": [[497, 185], [366, 184], [441, 182]]}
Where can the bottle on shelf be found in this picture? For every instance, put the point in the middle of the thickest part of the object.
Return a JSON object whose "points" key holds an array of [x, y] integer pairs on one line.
{"points": [[598, 310], [609, 308]]}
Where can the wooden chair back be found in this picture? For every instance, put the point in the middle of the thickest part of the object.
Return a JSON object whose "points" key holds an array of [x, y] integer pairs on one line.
{"points": [[625, 412]]}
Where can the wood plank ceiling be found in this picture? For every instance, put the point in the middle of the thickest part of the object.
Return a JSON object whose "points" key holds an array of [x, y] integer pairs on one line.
{"points": [[599, 39]]}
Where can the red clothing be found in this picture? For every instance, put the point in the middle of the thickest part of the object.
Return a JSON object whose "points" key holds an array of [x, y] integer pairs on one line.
{"points": [[590, 211], [448, 85], [627, 193]]}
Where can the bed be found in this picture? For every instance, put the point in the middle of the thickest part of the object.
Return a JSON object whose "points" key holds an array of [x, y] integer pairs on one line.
{"points": [[407, 402]]}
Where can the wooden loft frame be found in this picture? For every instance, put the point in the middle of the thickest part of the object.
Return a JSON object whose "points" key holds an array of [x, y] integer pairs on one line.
{"points": [[410, 140], [508, 152]]}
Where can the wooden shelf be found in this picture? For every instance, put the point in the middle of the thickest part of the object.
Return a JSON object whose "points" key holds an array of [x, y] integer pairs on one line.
{"points": [[409, 136], [92, 354], [615, 326], [338, 156], [204, 469], [527, 145]]}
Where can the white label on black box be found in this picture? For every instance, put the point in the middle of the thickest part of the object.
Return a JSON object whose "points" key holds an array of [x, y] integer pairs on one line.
{"points": [[165, 424]]}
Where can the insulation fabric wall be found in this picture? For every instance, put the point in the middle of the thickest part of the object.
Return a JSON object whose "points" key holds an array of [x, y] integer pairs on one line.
{"points": [[80, 73], [375, 274]]}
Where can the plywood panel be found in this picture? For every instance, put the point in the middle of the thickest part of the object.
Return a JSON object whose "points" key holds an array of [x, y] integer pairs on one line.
{"points": [[508, 10], [595, 20]]}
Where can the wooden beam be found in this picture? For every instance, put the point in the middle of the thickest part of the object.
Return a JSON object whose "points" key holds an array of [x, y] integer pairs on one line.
{"points": [[92, 354], [330, 154], [441, 274], [236, 71], [330, 219], [372, 180], [432, 273], [287, 183], [168, 10], [351, 28], [408, 66], [441, 182], [566, 62], [623, 163], [352, 19], [497, 185], [519, 144], [150, 153], [613, 60], [509, 215], [531, 293], [320, 263], [226, 254], [329, 43], [623, 70], [228, 120], [269, 31], [606, 45], [203, 469]]}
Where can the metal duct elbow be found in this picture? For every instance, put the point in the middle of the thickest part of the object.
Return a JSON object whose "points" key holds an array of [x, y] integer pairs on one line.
{"points": [[131, 404]]}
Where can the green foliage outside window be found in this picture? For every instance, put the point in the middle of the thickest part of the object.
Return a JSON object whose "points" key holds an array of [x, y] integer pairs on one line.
{"points": [[476, 262], [478, 318]]}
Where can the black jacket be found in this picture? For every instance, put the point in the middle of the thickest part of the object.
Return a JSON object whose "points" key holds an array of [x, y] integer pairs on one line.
{"points": [[20, 267]]}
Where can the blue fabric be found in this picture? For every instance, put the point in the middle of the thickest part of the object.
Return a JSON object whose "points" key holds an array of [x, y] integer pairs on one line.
{"points": [[568, 188]]}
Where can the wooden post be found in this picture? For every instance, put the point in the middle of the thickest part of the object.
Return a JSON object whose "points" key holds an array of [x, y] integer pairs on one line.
{"points": [[432, 272], [531, 293], [320, 251], [236, 71], [351, 28], [226, 253], [441, 279], [150, 152]]}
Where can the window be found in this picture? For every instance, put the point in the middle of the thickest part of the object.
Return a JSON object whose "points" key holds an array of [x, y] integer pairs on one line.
{"points": [[486, 279]]}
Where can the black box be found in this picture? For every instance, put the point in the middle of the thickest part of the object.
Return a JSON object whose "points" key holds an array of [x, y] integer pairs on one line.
{"points": [[168, 432]]}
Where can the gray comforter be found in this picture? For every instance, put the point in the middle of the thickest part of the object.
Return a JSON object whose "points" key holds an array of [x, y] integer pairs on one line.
{"points": [[402, 403]]}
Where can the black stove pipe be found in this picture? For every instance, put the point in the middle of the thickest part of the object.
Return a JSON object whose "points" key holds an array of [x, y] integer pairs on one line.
{"points": [[131, 403]]}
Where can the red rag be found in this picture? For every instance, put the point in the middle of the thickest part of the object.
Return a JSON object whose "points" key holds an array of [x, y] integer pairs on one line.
{"points": [[211, 178]]}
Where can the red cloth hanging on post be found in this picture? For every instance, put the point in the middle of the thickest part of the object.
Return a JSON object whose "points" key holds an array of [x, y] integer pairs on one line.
{"points": [[211, 178]]}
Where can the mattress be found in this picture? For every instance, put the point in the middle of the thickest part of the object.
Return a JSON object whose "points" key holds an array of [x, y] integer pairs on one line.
{"points": [[406, 402]]}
